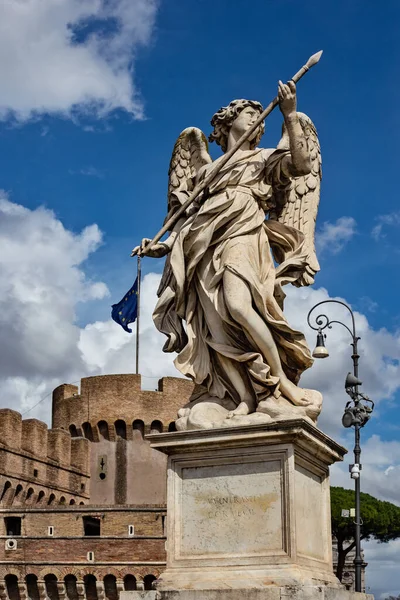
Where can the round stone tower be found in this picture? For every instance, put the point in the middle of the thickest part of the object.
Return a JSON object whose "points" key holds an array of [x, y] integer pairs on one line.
{"points": [[114, 413]]}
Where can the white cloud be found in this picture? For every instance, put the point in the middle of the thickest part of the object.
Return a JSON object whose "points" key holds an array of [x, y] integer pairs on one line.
{"points": [[391, 219], [60, 56], [382, 573], [41, 280], [332, 237]]}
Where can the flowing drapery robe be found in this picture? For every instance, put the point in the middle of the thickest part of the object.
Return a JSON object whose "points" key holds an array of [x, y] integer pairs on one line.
{"points": [[229, 232]]}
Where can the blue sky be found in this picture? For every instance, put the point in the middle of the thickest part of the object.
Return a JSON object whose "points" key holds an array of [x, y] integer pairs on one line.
{"points": [[93, 97]]}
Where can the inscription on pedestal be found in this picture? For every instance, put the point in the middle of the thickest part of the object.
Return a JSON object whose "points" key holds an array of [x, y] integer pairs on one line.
{"points": [[232, 509]]}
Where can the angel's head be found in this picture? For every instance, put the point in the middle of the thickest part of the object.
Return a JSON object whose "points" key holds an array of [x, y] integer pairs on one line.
{"points": [[230, 115]]}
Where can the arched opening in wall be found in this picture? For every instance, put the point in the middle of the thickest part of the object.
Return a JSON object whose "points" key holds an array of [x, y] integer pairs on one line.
{"points": [[62, 500], [29, 495], [70, 587], [110, 587], [18, 490], [148, 581], [40, 497], [172, 426], [130, 583], [156, 427], [73, 431], [50, 581], [90, 587], [51, 499], [87, 431], [120, 428], [72, 501], [6, 487], [81, 504], [103, 430], [138, 429], [32, 587], [12, 587]]}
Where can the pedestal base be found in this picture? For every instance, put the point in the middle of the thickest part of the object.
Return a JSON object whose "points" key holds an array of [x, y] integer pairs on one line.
{"points": [[249, 513]]}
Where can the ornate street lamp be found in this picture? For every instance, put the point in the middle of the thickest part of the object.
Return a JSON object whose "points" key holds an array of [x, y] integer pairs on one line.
{"points": [[356, 413]]}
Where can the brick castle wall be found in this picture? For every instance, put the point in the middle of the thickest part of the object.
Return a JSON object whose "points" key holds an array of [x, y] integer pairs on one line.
{"points": [[96, 454]]}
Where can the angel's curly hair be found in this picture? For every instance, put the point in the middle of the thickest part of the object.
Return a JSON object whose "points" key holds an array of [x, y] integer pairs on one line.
{"points": [[224, 117]]}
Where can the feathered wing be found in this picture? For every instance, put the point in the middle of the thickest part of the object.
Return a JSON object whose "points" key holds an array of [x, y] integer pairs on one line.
{"points": [[299, 206], [189, 155]]}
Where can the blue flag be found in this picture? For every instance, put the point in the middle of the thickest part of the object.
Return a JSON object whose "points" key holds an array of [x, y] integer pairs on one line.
{"points": [[126, 311]]}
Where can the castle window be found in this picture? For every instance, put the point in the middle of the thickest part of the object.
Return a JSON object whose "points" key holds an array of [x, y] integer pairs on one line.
{"points": [[131, 530], [138, 425], [13, 525], [156, 427], [50, 530], [6, 487], [73, 431], [148, 581], [50, 581], [12, 587], [87, 431], [31, 583], [18, 490], [103, 429], [120, 428], [91, 526], [35, 472], [130, 583]]}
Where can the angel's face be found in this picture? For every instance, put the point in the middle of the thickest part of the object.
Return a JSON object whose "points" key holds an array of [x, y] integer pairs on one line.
{"points": [[245, 119]]}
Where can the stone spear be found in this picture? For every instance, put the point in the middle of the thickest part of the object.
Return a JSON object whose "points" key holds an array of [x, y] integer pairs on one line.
{"points": [[313, 60]]}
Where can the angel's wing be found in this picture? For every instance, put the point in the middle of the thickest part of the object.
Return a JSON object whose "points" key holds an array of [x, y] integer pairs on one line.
{"points": [[189, 155], [300, 206]]}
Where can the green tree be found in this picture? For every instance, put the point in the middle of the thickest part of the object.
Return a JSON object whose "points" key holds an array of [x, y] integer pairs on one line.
{"points": [[380, 521]]}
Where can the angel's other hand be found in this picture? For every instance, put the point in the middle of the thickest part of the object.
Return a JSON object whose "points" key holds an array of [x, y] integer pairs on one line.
{"points": [[138, 250], [156, 251], [287, 98]]}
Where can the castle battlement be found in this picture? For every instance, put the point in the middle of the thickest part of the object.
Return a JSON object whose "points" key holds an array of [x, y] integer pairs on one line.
{"points": [[112, 405], [36, 461]]}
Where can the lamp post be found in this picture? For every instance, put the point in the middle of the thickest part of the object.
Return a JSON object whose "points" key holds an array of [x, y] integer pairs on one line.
{"points": [[356, 414]]}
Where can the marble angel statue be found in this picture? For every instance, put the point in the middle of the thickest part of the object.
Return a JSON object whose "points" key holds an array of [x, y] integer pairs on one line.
{"points": [[220, 298]]}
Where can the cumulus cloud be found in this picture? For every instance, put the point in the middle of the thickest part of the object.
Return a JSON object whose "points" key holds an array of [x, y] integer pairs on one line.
{"points": [[61, 56], [382, 577], [332, 237], [391, 219], [41, 281]]}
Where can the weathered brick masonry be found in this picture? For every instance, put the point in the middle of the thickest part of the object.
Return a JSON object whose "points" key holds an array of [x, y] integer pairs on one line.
{"points": [[82, 505]]}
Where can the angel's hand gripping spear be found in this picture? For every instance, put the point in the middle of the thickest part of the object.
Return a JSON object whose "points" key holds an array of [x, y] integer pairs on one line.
{"points": [[313, 60]]}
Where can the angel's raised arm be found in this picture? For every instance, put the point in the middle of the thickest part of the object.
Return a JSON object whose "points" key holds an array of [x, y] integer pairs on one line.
{"points": [[298, 162]]}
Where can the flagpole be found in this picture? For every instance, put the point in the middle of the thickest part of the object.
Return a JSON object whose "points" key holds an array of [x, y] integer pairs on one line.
{"points": [[139, 268]]}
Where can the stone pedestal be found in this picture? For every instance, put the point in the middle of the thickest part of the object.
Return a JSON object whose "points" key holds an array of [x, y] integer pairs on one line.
{"points": [[249, 513]]}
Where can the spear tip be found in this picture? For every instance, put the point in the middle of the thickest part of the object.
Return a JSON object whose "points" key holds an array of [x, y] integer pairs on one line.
{"points": [[314, 59]]}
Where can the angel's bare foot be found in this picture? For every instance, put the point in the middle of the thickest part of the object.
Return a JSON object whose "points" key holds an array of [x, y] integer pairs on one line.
{"points": [[293, 393], [242, 409]]}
